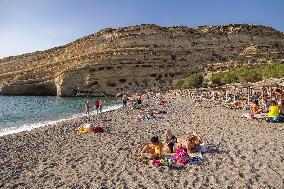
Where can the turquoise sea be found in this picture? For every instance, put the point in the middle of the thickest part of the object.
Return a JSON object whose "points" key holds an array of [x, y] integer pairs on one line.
{"points": [[20, 113]]}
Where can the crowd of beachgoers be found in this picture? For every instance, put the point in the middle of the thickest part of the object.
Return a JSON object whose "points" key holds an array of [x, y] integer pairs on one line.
{"points": [[177, 139], [263, 105]]}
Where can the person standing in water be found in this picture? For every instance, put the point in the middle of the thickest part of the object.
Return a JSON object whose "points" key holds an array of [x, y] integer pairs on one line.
{"points": [[124, 100], [97, 105], [101, 106], [87, 107]]}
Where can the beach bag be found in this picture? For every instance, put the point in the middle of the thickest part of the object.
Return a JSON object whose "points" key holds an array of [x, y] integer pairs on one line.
{"points": [[181, 156], [98, 129]]}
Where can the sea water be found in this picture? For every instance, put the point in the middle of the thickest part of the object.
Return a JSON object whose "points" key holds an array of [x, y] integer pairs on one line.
{"points": [[20, 113]]}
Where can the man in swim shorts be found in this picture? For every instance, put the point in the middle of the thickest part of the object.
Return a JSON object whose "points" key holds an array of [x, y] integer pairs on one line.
{"points": [[87, 107], [124, 100]]}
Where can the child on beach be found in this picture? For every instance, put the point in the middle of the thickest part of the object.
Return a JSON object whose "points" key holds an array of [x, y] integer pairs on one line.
{"points": [[153, 150]]}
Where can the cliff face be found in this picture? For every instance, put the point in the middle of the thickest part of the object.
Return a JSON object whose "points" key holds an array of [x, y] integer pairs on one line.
{"points": [[137, 58]]}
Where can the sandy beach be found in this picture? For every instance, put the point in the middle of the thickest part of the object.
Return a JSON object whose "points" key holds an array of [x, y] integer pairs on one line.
{"points": [[242, 153]]}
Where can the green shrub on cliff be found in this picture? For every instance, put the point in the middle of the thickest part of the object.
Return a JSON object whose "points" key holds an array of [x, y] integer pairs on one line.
{"points": [[228, 77], [178, 83], [216, 79], [273, 70], [192, 81], [247, 74]]}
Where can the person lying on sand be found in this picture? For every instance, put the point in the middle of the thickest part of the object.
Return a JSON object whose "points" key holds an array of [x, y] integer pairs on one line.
{"points": [[190, 142], [153, 150], [145, 116], [87, 128]]}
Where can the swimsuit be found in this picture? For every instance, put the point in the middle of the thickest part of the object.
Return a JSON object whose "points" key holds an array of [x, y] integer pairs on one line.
{"points": [[171, 143], [97, 104]]}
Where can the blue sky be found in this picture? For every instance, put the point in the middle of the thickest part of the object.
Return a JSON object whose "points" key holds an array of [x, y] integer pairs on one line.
{"points": [[31, 25]]}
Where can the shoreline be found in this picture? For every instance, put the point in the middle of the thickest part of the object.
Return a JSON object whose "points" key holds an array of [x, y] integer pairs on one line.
{"points": [[31, 126], [244, 154]]}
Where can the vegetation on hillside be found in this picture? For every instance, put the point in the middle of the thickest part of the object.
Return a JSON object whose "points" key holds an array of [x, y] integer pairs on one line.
{"points": [[193, 81], [242, 74], [246, 74]]}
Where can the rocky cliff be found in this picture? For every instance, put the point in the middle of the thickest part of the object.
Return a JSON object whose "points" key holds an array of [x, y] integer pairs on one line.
{"points": [[137, 58]]}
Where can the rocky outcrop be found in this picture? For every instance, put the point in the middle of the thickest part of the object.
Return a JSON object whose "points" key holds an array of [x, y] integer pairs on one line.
{"points": [[138, 58]]}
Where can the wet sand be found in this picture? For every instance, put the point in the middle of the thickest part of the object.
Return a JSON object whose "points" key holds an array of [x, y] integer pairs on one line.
{"points": [[242, 153]]}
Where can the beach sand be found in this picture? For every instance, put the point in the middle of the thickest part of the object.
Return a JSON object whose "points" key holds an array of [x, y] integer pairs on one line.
{"points": [[242, 153]]}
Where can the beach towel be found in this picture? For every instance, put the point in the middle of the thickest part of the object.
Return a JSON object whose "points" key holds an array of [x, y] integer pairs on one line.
{"points": [[181, 156], [247, 115], [196, 158], [276, 119]]}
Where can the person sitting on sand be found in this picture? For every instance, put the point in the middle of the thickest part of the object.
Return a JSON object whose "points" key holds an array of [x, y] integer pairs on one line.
{"points": [[147, 115], [274, 109], [153, 150], [238, 104], [254, 108], [282, 108], [190, 142], [264, 104], [280, 95], [161, 101], [174, 97]]}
